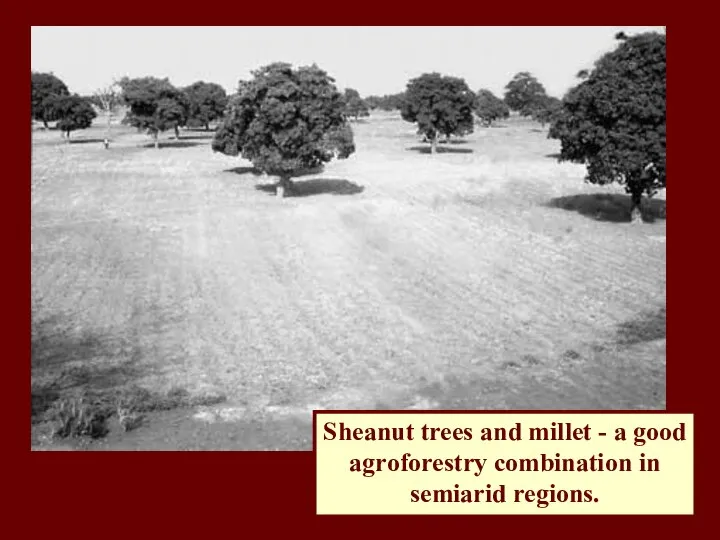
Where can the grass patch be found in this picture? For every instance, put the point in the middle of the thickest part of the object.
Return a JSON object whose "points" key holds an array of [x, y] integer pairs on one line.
{"points": [[79, 417], [143, 400], [85, 413]]}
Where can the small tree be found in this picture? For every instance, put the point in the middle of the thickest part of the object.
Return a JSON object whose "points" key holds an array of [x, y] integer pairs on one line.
{"points": [[73, 112], [439, 105], [524, 93], [108, 100], [284, 121], [490, 107], [355, 106], [46, 88], [155, 105], [614, 120], [206, 103]]}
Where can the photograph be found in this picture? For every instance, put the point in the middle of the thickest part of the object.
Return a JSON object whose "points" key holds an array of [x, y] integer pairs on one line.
{"points": [[235, 226]]}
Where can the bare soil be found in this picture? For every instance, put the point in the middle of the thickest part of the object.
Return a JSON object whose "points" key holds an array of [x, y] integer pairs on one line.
{"points": [[486, 276]]}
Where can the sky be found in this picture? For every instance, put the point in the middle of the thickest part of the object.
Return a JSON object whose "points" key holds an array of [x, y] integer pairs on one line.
{"points": [[372, 59]]}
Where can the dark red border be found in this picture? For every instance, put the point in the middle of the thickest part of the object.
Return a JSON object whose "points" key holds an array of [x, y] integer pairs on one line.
{"points": [[274, 493]]}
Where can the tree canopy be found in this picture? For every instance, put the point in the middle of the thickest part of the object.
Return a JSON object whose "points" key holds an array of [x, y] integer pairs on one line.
{"points": [[206, 103], [286, 120], [524, 93], [546, 109], [490, 108], [355, 106], [155, 105], [613, 121], [73, 112], [46, 88], [439, 105]]}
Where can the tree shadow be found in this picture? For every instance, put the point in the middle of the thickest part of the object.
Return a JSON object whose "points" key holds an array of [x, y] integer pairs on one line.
{"points": [[256, 172], [441, 150], [554, 156], [244, 170], [199, 137], [317, 186], [94, 365], [454, 141], [172, 144], [647, 326], [88, 141], [50, 346], [200, 129], [612, 207]]}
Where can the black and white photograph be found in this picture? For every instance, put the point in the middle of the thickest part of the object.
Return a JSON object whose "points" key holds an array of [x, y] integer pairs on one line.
{"points": [[235, 226]]}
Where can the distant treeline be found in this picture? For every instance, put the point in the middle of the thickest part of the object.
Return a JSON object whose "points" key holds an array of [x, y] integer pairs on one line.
{"points": [[286, 119], [388, 102]]}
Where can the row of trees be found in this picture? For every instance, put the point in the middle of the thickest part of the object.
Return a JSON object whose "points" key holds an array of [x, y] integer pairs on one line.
{"points": [[52, 101], [388, 102], [613, 121], [154, 104], [445, 105], [285, 120], [524, 94]]}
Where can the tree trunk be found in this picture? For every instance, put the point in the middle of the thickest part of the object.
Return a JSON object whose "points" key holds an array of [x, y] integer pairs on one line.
{"points": [[636, 204], [284, 187], [67, 137], [433, 144], [177, 133], [207, 126], [109, 117], [157, 141], [45, 125]]}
